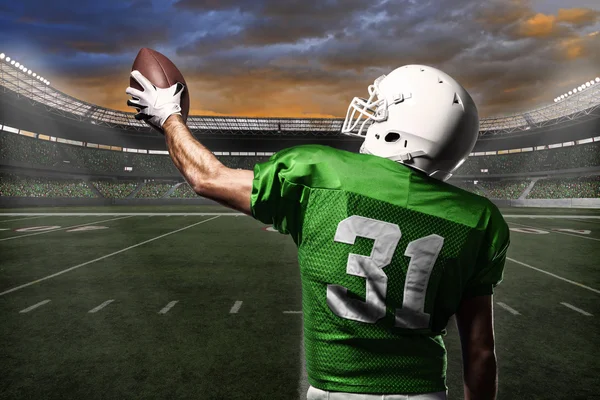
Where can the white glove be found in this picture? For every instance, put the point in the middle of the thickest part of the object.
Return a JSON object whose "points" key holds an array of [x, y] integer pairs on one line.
{"points": [[154, 105]]}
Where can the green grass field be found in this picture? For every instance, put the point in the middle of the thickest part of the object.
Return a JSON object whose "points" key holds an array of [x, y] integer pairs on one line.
{"points": [[235, 331]]}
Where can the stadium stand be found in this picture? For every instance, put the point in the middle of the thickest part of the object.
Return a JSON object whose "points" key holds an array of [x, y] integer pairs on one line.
{"points": [[579, 156], [152, 163], [94, 160], [183, 191], [566, 188], [44, 153], [24, 149], [468, 185], [154, 189], [115, 190], [23, 186], [504, 189]]}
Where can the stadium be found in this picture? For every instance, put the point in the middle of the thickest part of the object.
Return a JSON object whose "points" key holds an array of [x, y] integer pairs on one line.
{"points": [[117, 278]]}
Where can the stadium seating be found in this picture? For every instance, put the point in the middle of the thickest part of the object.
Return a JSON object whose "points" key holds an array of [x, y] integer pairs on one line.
{"points": [[504, 189], [468, 185], [571, 188], [115, 190], [584, 155], [37, 152], [154, 189], [21, 148], [184, 191], [23, 186]]}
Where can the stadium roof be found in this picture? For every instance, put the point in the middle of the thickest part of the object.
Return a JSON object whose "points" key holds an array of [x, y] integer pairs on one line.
{"points": [[581, 105]]}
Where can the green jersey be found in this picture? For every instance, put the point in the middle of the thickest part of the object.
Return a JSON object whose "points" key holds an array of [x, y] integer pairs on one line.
{"points": [[386, 255]]}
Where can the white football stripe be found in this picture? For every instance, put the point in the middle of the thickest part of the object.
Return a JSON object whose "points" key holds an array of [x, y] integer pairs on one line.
{"points": [[100, 307], [507, 308], [236, 307], [103, 257], [553, 275], [579, 310], [167, 307], [41, 303]]}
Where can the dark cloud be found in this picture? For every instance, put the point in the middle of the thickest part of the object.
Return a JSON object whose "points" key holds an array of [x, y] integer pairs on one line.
{"points": [[309, 57]]}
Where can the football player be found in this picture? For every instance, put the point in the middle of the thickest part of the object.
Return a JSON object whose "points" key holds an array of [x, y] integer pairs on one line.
{"points": [[387, 250]]}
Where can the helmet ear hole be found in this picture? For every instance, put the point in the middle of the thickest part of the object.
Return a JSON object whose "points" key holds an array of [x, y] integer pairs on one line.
{"points": [[392, 137]]}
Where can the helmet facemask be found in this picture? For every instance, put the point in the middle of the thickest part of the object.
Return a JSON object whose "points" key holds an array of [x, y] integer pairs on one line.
{"points": [[375, 109]]}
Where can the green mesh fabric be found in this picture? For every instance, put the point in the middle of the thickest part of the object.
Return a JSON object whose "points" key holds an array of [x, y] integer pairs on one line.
{"points": [[307, 191]]}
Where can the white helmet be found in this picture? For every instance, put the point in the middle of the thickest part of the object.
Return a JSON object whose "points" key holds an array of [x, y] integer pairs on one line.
{"points": [[420, 117]]}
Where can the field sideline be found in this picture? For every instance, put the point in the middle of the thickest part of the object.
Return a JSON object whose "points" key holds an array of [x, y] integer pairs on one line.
{"points": [[199, 302]]}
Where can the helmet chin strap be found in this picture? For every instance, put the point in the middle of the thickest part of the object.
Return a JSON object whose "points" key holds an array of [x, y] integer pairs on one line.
{"points": [[441, 175], [400, 157]]}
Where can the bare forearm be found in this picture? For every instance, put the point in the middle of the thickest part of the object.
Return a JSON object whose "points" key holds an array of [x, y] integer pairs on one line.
{"points": [[480, 376], [195, 162]]}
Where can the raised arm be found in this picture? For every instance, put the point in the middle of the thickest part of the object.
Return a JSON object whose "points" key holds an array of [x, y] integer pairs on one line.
{"points": [[203, 171], [475, 323], [160, 108]]}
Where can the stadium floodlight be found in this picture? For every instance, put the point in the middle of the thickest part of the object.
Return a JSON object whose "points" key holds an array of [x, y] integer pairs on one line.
{"points": [[597, 79], [12, 62], [7, 59], [570, 92], [48, 83], [17, 65], [588, 84], [28, 72], [34, 74], [2, 55]]}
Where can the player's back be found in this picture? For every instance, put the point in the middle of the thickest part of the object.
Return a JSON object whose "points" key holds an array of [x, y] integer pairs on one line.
{"points": [[386, 255]]}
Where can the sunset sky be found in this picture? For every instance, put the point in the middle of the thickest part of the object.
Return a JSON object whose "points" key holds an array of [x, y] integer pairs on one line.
{"points": [[308, 58]]}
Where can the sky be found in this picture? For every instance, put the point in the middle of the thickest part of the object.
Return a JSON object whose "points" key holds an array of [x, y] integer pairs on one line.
{"points": [[308, 58]]}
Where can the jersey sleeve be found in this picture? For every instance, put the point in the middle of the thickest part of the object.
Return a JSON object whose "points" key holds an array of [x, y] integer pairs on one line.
{"points": [[492, 256], [280, 189]]}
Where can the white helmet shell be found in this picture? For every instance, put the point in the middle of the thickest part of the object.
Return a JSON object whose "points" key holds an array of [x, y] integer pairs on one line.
{"points": [[419, 116]]}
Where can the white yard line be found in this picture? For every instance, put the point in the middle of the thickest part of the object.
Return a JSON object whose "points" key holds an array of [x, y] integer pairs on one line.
{"points": [[579, 310], [119, 214], [507, 308], [18, 219], [103, 257], [556, 231], [552, 216], [100, 307], [41, 303], [61, 229], [292, 312], [168, 307], [551, 274], [236, 307]]}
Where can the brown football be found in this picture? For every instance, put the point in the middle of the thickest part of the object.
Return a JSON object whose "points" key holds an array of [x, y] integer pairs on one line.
{"points": [[162, 73]]}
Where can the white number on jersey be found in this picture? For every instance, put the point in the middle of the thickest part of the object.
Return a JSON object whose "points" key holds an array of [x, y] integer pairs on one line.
{"points": [[423, 254]]}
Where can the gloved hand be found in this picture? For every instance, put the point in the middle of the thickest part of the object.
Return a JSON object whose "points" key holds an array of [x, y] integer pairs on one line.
{"points": [[154, 105]]}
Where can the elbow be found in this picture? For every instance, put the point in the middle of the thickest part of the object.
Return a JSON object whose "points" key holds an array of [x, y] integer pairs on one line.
{"points": [[201, 188], [207, 185]]}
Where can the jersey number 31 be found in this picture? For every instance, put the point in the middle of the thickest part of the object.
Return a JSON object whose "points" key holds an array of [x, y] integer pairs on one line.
{"points": [[423, 253]]}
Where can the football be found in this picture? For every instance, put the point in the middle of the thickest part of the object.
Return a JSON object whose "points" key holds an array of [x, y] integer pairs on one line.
{"points": [[162, 73]]}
